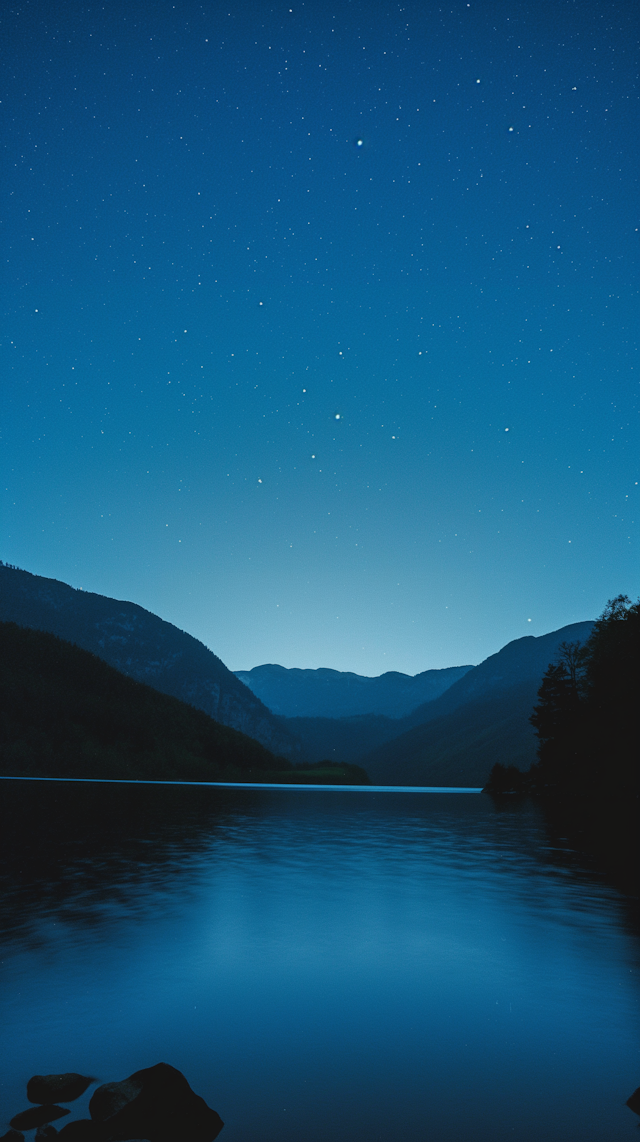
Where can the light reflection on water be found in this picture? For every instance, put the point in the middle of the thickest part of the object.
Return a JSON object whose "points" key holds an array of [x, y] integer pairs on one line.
{"points": [[320, 964]]}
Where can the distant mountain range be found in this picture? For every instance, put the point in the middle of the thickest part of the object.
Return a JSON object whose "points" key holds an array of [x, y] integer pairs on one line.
{"points": [[144, 647], [441, 727], [65, 713], [456, 738], [325, 693]]}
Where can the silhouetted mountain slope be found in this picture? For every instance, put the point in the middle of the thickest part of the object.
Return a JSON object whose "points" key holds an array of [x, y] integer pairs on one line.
{"points": [[342, 739], [522, 660], [460, 748], [481, 719], [144, 647], [324, 693], [353, 739], [66, 713]]}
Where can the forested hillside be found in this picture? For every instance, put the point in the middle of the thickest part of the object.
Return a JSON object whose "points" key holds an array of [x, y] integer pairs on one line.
{"points": [[145, 647], [66, 713], [587, 721], [587, 717]]}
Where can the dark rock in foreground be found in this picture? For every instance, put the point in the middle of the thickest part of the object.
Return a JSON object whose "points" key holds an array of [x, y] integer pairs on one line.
{"points": [[46, 1132], [633, 1103], [12, 1136], [157, 1104], [57, 1088], [82, 1130], [37, 1116]]}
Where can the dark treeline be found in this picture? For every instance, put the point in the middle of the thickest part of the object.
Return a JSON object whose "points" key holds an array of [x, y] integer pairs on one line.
{"points": [[587, 721], [66, 713], [587, 717], [329, 773]]}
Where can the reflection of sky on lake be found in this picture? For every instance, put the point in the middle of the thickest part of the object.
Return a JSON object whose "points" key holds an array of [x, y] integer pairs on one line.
{"points": [[345, 964]]}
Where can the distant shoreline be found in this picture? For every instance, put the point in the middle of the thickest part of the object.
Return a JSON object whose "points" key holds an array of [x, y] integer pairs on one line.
{"points": [[258, 785]]}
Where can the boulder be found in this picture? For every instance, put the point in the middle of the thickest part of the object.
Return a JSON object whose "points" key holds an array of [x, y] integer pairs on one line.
{"points": [[82, 1130], [110, 1098], [12, 1136], [57, 1088], [46, 1132], [37, 1116], [633, 1102], [155, 1104]]}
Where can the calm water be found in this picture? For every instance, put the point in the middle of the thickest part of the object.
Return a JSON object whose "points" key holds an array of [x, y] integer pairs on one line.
{"points": [[321, 965]]}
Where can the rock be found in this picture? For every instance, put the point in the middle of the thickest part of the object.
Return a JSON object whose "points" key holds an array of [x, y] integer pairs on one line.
{"points": [[46, 1132], [110, 1098], [37, 1116], [12, 1136], [82, 1130], [633, 1103], [155, 1104], [57, 1088]]}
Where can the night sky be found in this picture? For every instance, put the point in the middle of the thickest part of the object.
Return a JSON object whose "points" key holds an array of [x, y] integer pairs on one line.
{"points": [[319, 321]]}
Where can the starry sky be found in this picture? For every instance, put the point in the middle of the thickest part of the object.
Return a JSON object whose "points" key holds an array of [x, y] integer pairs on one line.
{"points": [[318, 321]]}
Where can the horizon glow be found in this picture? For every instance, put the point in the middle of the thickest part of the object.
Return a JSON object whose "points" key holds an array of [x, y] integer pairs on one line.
{"points": [[320, 324]]}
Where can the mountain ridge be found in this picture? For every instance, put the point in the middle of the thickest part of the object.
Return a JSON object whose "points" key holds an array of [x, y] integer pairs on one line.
{"points": [[502, 690], [144, 647], [525, 658], [481, 719], [65, 712], [294, 692]]}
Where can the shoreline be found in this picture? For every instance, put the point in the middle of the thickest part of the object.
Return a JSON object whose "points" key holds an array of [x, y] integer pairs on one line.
{"points": [[259, 785]]}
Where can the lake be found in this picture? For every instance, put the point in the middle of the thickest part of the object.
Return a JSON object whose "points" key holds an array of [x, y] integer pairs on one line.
{"points": [[321, 964]]}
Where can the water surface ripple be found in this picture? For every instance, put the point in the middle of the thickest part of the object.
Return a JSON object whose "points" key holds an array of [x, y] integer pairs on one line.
{"points": [[321, 964]]}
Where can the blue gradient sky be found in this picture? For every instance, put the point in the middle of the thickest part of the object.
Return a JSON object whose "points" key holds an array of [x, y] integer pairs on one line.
{"points": [[319, 320]]}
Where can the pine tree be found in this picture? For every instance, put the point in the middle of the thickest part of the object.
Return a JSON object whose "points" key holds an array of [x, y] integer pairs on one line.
{"points": [[587, 719]]}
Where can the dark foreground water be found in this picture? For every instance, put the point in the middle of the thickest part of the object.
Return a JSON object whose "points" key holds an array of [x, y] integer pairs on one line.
{"points": [[333, 965]]}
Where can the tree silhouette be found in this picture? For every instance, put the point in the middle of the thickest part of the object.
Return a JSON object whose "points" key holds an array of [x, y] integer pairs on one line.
{"points": [[587, 718]]}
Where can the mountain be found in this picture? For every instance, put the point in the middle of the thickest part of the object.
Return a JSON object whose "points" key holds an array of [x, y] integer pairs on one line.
{"points": [[481, 719], [343, 739], [324, 693], [380, 743], [453, 737], [65, 713], [461, 748], [524, 659], [143, 646]]}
